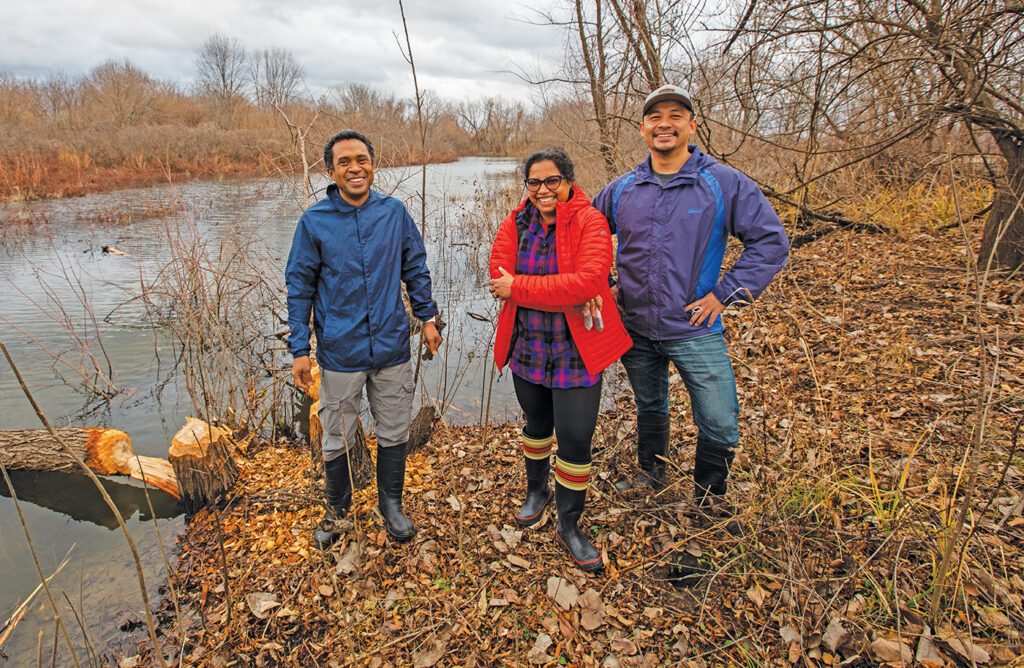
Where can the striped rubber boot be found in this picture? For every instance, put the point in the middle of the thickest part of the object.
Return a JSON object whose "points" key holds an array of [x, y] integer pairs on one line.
{"points": [[570, 498], [537, 453]]}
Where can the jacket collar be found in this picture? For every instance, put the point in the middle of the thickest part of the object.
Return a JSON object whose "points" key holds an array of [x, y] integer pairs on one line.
{"points": [[686, 174], [564, 211], [341, 205]]}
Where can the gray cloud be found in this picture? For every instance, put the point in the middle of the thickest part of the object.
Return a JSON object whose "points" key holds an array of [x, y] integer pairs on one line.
{"points": [[463, 48]]}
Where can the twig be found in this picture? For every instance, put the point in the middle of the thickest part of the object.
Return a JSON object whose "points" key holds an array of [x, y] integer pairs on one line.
{"points": [[35, 560], [150, 624], [19, 612]]}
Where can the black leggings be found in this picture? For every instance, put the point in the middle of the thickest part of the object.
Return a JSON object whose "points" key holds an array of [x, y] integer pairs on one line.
{"points": [[571, 413]]}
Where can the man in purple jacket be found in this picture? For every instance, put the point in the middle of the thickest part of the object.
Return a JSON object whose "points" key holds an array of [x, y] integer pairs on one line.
{"points": [[673, 215]]}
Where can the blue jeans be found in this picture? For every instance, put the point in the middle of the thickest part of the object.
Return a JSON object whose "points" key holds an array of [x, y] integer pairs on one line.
{"points": [[704, 366]]}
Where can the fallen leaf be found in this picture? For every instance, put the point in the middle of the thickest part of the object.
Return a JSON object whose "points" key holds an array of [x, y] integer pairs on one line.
{"points": [[838, 633], [891, 651], [927, 654], [591, 610], [994, 619], [562, 592], [511, 536], [757, 595], [538, 653], [518, 561], [497, 603], [623, 647], [456, 505], [349, 561], [790, 635], [325, 590], [431, 654], [261, 603], [967, 649]]}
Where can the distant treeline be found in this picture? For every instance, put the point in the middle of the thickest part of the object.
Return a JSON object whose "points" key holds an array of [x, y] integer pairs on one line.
{"points": [[118, 125]]}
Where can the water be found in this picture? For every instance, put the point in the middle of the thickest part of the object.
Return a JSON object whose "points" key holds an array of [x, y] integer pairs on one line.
{"points": [[62, 293]]}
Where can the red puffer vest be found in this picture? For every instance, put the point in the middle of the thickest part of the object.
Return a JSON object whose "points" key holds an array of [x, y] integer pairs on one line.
{"points": [[584, 250]]}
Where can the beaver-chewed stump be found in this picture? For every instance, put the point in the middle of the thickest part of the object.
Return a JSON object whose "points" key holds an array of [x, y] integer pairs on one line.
{"points": [[201, 456], [105, 451]]}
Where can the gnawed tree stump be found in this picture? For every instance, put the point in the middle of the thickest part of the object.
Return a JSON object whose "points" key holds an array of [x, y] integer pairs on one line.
{"points": [[105, 451], [421, 429], [201, 456]]}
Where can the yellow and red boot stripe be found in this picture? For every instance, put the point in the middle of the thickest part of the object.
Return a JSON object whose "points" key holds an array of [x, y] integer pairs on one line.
{"points": [[573, 476], [537, 448]]}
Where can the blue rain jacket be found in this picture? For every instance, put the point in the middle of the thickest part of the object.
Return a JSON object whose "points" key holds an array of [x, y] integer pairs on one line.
{"points": [[672, 238], [347, 264]]}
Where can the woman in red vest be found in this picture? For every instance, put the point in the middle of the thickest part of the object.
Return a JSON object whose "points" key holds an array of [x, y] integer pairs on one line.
{"points": [[558, 330]]}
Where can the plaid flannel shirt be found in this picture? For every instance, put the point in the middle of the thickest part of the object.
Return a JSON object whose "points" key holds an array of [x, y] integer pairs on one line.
{"points": [[542, 348]]}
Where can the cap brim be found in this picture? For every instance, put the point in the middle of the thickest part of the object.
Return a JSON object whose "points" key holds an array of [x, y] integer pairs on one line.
{"points": [[675, 97]]}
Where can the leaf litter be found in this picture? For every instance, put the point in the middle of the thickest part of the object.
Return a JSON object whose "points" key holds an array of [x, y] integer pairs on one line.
{"points": [[858, 373]]}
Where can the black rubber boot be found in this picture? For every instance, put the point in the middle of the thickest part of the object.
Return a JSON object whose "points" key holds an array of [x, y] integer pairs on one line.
{"points": [[711, 466], [338, 486], [711, 470], [570, 503], [652, 433], [538, 494], [390, 483]]}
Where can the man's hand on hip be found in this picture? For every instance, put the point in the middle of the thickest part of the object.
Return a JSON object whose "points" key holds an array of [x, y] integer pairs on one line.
{"points": [[705, 309], [301, 372], [431, 337]]}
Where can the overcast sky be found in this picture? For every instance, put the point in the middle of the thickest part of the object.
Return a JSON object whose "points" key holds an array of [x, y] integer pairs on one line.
{"points": [[463, 48]]}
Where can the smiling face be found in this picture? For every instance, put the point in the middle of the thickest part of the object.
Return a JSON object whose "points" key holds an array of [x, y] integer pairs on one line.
{"points": [[667, 127], [353, 170], [544, 198]]}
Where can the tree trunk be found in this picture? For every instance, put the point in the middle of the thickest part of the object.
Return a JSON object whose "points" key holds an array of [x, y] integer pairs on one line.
{"points": [[1006, 217], [421, 429], [202, 460], [105, 451]]}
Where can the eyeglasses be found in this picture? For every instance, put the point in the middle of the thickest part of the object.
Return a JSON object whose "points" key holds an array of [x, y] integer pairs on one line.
{"points": [[552, 183]]}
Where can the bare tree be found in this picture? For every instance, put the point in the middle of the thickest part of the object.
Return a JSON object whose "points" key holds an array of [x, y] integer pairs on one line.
{"points": [[359, 103], [62, 99], [617, 51], [220, 63], [122, 91], [276, 77], [886, 72], [493, 125]]}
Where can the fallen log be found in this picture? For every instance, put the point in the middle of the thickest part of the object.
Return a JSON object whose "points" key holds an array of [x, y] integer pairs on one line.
{"points": [[201, 456], [105, 451]]}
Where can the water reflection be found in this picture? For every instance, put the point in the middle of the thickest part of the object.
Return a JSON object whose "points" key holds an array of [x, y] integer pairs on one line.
{"points": [[75, 495]]}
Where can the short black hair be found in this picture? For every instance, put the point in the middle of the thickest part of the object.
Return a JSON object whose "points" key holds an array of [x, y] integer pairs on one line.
{"points": [[343, 136], [556, 155]]}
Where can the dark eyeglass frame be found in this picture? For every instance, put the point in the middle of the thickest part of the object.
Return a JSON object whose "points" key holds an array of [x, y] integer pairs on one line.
{"points": [[552, 183]]}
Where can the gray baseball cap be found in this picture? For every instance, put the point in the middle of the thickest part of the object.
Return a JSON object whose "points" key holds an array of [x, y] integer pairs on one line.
{"points": [[667, 92]]}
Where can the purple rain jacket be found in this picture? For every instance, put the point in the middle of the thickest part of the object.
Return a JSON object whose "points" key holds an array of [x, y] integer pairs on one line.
{"points": [[672, 240]]}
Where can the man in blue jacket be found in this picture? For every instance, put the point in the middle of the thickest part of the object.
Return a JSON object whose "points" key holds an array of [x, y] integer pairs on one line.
{"points": [[350, 255], [673, 215]]}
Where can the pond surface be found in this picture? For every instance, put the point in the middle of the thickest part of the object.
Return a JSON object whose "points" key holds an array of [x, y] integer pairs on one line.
{"points": [[68, 305]]}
